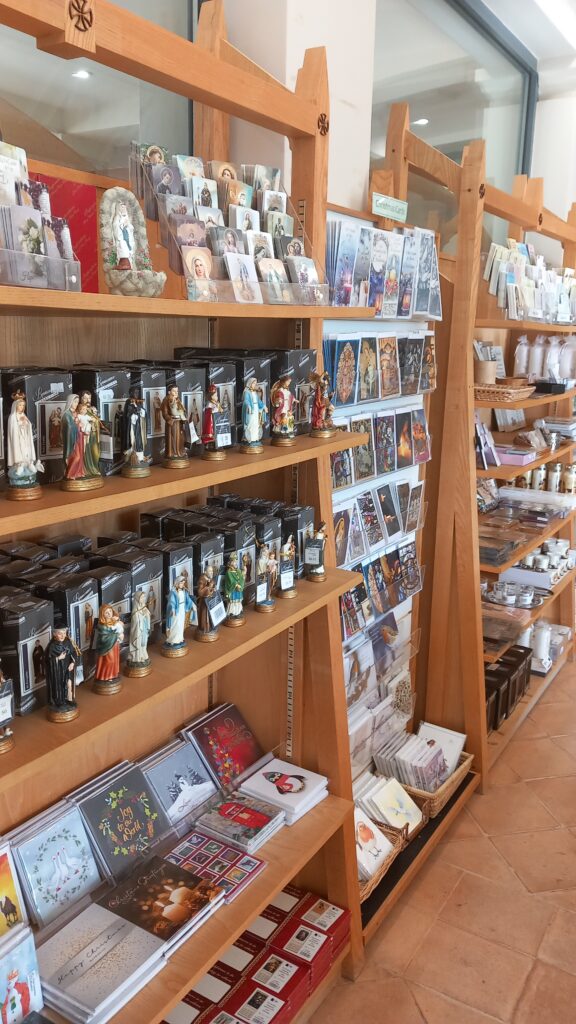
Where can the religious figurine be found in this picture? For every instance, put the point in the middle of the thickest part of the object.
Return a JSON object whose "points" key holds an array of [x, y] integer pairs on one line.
{"points": [[138, 662], [253, 419], [234, 582], [6, 713], [62, 655], [176, 430], [212, 408], [80, 446], [283, 401], [124, 246], [108, 635], [322, 408], [134, 436], [206, 588], [264, 581], [22, 462], [287, 569], [178, 608], [314, 555]]}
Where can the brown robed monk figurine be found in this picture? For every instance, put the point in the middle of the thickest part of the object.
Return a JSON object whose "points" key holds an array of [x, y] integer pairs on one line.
{"points": [[176, 430]]}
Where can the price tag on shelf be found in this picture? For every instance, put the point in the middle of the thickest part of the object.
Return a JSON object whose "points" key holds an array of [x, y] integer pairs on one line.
{"points": [[261, 592], [216, 610], [286, 575], [313, 552], [222, 430]]}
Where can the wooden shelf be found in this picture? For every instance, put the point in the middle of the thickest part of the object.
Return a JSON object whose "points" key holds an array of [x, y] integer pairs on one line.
{"points": [[30, 301], [499, 740], [286, 854], [525, 325], [524, 549], [57, 507], [568, 580], [527, 403], [405, 868], [511, 472], [41, 748]]}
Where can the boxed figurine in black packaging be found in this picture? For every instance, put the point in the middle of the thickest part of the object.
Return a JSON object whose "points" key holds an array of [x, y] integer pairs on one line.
{"points": [[222, 500], [152, 522], [76, 605], [298, 364], [146, 574], [240, 539], [69, 544], [26, 627], [25, 549], [178, 558], [153, 381], [45, 393], [116, 537], [179, 524], [191, 384], [115, 588], [298, 523], [101, 556], [108, 388], [25, 575], [68, 563], [207, 550], [222, 374]]}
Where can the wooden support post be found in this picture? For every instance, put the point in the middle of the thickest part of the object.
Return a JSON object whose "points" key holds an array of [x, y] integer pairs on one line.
{"points": [[310, 155], [455, 694], [396, 159], [211, 126], [78, 37], [570, 247]]}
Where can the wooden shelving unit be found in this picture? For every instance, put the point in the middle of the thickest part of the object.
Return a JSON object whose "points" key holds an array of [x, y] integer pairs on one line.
{"points": [[569, 580], [511, 472], [524, 549], [284, 671], [522, 326], [533, 402]]}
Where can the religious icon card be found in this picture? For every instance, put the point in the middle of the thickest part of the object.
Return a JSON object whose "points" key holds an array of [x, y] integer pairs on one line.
{"points": [[389, 368], [410, 360], [345, 369]]}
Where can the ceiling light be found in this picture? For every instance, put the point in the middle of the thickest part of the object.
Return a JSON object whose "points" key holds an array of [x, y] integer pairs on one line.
{"points": [[81, 73], [562, 15], [421, 121]]}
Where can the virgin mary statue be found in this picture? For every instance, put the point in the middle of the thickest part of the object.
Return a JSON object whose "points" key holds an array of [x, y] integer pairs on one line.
{"points": [[22, 462]]}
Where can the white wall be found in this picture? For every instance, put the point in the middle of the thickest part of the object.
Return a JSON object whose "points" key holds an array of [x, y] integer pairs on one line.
{"points": [[554, 159], [275, 35]]}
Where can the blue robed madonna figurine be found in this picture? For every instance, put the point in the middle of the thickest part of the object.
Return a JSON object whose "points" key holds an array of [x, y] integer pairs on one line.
{"points": [[253, 419], [179, 607]]}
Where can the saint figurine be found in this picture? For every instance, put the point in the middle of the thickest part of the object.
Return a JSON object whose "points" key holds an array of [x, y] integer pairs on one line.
{"points": [[178, 608], [287, 567], [283, 401], [138, 662], [316, 568], [134, 436], [206, 589], [264, 589], [176, 430], [22, 462], [108, 636], [6, 713], [123, 234], [253, 419], [322, 408], [62, 655], [80, 446], [234, 582], [212, 408]]}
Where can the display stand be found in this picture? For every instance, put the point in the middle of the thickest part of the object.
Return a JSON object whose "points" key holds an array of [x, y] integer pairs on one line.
{"points": [[285, 672]]}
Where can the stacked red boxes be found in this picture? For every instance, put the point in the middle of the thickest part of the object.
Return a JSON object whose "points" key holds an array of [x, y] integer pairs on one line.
{"points": [[253, 1004], [282, 977], [328, 918], [306, 946]]}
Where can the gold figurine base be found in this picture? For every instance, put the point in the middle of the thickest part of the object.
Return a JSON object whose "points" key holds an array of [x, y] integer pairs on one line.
{"points": [[135, 472], [168, 651], [137, 671], [176, 463], [205, 638], [24, 493], [107, 687], [286, 595], [238, 620], [265, 609], [323, 431], [89, 483], [317, 577], [252, 449], [215, 456], [54, 715], [6, 744], [283, 441]]}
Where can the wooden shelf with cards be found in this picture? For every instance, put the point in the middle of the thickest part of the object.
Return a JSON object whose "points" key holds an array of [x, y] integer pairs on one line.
{"points": [[451, 660], [285, 671]]}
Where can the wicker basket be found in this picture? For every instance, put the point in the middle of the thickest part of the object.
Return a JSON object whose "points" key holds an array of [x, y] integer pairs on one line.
{"points": [[398, 840], [508, 389], [439, 799], [423, 801]]}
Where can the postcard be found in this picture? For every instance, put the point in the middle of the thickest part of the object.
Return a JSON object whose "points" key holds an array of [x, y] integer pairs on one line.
{"points": [[368, 370], [404, 447], [389, 368], [345, 370], [410, 361]]}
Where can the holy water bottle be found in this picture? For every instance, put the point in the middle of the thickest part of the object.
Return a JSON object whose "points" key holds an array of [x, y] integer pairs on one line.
{"points": [[536, 358], [521, 357]]}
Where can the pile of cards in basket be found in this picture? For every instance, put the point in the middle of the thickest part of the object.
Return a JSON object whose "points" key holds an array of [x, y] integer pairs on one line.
{"points": [[119, 866]]}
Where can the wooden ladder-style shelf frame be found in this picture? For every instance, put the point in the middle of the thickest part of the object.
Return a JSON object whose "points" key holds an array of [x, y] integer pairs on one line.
{"points": [[450, 671], [286, 675]]}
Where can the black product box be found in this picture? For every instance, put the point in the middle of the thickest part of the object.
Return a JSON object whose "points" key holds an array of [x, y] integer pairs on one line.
{"points": [[115, 588], [179, 524], [38, 574], [268, 534], [68, 563], [178, 558], [76, 605], [69, 544], [223, 500], [207, 550], [25, 549], [11, 572], [101, 556], [109, 388], [234, 514], [299, 364], [191, 383], [2, 440], [222, 373], [45, 392], [153, 381], [297, 522], [240, 538], [152, 522], [116, 537], [26, 628], [266, 506], [146, 572]]}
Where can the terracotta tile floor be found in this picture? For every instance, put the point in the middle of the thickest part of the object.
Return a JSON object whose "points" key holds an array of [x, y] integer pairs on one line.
{"points": [[487, 933]]}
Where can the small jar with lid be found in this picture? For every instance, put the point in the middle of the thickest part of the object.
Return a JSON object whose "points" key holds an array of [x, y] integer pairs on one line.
{"points": [[554, 477], [539, 478], [569, 479]]}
